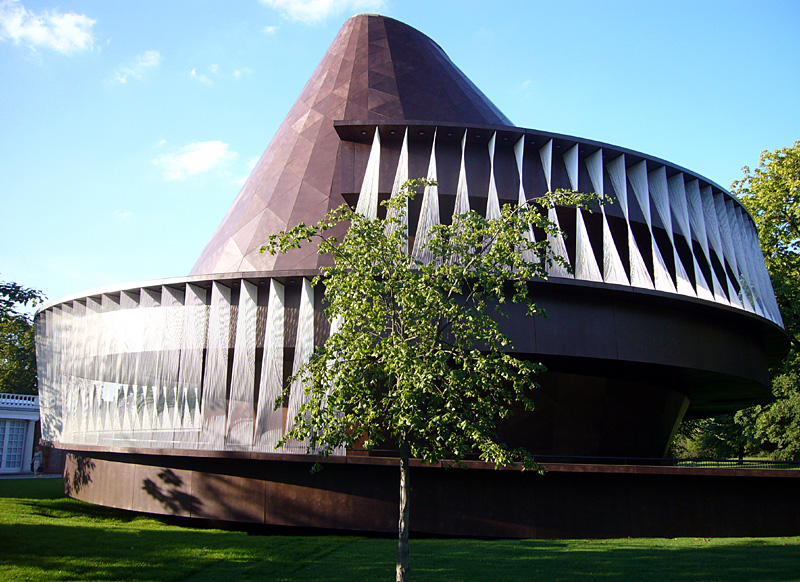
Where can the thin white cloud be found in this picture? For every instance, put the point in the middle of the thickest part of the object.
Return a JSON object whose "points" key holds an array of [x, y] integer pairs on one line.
{"points": [[315, 11], [140, 66], [215, 73], [68, 33], [269, 29], [195, 158], [123, 215], [201, 77]]}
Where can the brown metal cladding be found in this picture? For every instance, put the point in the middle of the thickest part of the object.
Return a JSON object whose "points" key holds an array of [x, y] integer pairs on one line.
{"points": [[376, 69]]}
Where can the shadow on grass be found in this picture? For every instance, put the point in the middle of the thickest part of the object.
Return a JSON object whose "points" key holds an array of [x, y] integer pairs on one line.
{"points": [[47, 488], [618, 560], [63, 552], [64, 539], [65, 508]]}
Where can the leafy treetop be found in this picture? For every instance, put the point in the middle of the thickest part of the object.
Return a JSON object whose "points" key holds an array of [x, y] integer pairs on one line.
{"points": [[417, 357]]}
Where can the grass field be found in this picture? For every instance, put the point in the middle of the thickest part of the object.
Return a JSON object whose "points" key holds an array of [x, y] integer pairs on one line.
{"points": [[45, 536]]}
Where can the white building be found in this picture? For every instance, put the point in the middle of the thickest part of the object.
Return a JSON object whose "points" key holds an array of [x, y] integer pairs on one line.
{"points": [[18, 416]]}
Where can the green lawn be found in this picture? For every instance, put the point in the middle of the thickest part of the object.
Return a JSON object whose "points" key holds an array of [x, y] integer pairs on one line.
{"points": [[45, 536]]}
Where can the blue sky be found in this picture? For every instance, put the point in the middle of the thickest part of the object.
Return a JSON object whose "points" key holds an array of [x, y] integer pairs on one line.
{"points": [[127, 127]]}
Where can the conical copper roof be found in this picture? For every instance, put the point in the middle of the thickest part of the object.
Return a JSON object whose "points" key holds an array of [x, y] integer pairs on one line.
{"points": [[377, 69]]}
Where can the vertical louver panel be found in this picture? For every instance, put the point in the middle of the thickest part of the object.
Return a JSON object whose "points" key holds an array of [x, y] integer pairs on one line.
{"points": [[304, 347], [269, 422], [368, 198], [216, 369], [239, 429], [492, 203], [400, 178], [429, 214]]}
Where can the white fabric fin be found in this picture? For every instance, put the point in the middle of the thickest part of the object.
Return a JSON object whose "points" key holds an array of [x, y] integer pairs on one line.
{"points": [[618, 175], [613, 269], [638, 178], [594, 165], [462, 190], [585, 262], [429, 213], [546, 156], [493, 202], [571, 162], [368, 198]]}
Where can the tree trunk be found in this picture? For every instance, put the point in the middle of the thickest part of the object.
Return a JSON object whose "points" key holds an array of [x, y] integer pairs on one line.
{"points": [[402, 542]]}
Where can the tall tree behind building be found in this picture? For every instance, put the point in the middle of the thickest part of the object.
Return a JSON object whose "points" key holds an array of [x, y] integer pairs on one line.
{"points": [[17, 346]]}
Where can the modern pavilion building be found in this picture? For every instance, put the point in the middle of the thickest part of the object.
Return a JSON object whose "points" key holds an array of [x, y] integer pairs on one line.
{"points": [[163, 390]]}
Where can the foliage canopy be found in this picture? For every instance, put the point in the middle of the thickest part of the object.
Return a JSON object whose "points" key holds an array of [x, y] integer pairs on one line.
{"points": [[17, 346], [417, 357]]}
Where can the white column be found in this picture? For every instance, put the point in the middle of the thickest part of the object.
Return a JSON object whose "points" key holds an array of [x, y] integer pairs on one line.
{"points": [[27, 452]]}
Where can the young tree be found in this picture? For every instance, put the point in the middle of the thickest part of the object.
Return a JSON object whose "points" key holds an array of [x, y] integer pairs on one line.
{"points": [[17, 348], [416, 357]]}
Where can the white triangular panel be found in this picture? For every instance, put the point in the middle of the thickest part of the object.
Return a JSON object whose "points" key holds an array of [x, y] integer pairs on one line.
{"points": [[429, 213], [703, 290], [712, 222], [682, 282], [522, 200], [493, 202], [303, 349], [216, 368], [696, 218], [678, 204], [725, 232], [155, 417], [618, 176], [585, 262], [138, 408], [640, 276], [269, 422], [662, 279], [747, 278], [546, 156], [742, 298], [734, 298], [400, 178], [519, 155], [462, 190], [558, 247], [657, 182], [128, 412], [719, 293], [176, 411], [594, 165], [240, 417], [761, 273], [638, 177], [613, 269], [368, 198], [571, 162]]}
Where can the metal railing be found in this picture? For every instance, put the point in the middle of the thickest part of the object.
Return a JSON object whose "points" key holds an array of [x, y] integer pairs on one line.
{"points": [[636, 461]]}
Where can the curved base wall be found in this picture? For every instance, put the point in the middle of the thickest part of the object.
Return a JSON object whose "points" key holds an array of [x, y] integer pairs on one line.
{"points": [[361, 494]]}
